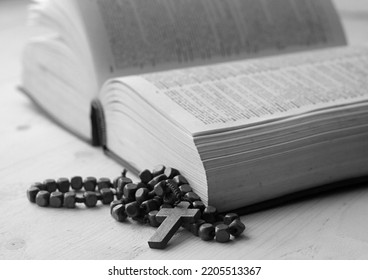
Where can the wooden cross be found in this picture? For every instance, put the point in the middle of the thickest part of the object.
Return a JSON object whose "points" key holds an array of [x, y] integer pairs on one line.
{"points": [[172, 219]]}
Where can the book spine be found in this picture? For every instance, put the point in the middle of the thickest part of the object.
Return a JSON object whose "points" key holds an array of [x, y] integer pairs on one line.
{"points": [[98, 125]]}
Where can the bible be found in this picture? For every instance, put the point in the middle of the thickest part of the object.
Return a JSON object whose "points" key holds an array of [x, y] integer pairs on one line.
{"points": [[250, 100]]}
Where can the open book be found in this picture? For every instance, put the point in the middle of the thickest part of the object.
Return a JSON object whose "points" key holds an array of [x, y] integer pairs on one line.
{"points": [[250, 100]]}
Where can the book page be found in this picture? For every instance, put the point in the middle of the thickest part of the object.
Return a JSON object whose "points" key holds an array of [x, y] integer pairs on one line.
{"points": [[246, 93], [137, 36]]}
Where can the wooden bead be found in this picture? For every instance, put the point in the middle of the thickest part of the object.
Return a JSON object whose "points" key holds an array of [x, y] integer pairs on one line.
{"points": [[151, 184], [160, 188], [51, 185], [194, 227], [132, 209], [171, 172], [230, 217], [43, 198], [90, 198], [40, 186], [149, 205], [115, 203], [209, 214], [199, 205], [222, 234], [158, 170], [152, 218], [76, 182], [69, 200], [236, 227], [63, 185], [56, 199], [118, 213], [32, 193], [115, 182], [191, 197], [129, 190], [142, 195], [180, 180], [126, 200], [185, 188], [145, 176], [107, 195], [90, 184], [103, 183], [206, 232], [122, 182], [158, 200]]}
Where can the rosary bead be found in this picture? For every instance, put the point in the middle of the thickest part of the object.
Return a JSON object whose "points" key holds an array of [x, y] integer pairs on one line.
{"points": [[32, 193], [90, 184], [43, 198], [51, 185], [63, 185], [115, 203], [194, 227], [230, 217], [158, 170], [76, 182], [236, 227], [90, 198], [156, 179], [132, 209], [209, 214], [103, 183], [118, 213], [171, 172], [222, 234], [40, 186], [69, 200], [126, 200], [122, 182], [145, 176], [206, 232], [56, 199], [129, 191], [158, 199], [142, 195], [152, 218], [149, 205], [185, 188], [199, 205], [107, 195], [180, 180], [160, 188], [191, 197], [115, 182]]}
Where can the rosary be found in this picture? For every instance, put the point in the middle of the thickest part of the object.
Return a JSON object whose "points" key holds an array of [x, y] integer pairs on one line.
{"points": [[163, 199]]}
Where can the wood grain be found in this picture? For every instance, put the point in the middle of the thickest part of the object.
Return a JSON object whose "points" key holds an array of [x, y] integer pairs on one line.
{"points": [[330, 226]]}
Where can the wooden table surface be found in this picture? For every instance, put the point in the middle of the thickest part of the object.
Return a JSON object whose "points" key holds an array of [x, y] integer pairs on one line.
{"points": [[332, 226]]}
